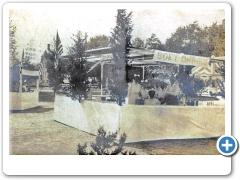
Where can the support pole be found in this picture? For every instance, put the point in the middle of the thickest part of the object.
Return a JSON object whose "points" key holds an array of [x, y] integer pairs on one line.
{"points": [[20, 80], [20, 71], [37, 84], [102, 63], [143, 72]]}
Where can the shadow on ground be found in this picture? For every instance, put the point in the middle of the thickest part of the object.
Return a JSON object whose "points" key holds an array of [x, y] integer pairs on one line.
{"points": [[201, 146], [38, 109]]}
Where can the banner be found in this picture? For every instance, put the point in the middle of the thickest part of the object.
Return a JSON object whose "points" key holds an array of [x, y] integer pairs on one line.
{"points": [[30, 73], [181, 59]]}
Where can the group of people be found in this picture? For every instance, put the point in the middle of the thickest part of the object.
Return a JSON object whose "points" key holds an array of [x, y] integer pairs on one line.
{"points": [[159, 95]]}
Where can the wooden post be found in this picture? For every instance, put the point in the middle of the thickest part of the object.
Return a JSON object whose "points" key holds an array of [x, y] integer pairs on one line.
{"points": [[102, 63], [143, 72], [37, 84], [20, 80], [20, 71]]}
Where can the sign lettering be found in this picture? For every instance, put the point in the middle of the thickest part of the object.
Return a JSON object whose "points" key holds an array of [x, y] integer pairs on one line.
{"points": [[181, 59]]}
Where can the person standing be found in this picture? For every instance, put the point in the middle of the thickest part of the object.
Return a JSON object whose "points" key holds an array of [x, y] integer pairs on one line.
{"points": [[144, 91], [161, 92], [134, 90], [172, 91], [25, 87]]}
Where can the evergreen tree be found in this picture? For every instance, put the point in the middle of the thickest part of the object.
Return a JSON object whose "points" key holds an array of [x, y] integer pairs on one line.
{"points": [[120, 45], [77, 66], [194, 40]]}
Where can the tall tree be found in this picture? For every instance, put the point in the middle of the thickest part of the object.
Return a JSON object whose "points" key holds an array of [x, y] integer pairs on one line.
{"points": [[77, 67], [154, 43], [120, 45], [13, 60], [99, 41], [138, 43]]}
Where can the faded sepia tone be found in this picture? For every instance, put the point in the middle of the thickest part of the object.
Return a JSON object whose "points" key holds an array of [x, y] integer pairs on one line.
{"points": [[120, 81]]}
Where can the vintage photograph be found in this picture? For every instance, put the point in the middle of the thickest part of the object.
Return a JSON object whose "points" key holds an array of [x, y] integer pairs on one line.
{"points": [[114, 81]]}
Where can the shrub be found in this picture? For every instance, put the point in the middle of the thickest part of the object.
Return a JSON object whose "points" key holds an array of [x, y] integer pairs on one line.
{"points": [[106, 144]]}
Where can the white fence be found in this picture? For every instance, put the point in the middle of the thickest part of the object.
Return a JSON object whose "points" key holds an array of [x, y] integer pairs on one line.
{"points": [[142, 123]]}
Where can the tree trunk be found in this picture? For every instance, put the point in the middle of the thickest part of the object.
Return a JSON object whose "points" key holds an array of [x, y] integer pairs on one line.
{"points": [[79, 98], [120, 100]]}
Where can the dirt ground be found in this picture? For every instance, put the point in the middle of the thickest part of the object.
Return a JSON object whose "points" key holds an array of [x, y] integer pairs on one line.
{"points": [[34, 132]]}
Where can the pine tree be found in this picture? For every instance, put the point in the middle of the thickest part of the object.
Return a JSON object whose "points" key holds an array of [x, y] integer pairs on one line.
{"points": [[120, 46], [77, 67]]}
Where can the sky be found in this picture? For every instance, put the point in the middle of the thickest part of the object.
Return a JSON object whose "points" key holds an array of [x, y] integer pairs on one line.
{"points": [[39, 26]]}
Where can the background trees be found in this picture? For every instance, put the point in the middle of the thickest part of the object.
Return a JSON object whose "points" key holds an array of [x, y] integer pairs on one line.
{"points": [[99, 41], [190, 39], [154, 43], [138, 43], [217, 39], [200, 41]]}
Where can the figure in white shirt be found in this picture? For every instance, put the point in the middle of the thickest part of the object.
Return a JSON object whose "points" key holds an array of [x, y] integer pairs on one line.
{"points": [[134, 90], [161, 92]]}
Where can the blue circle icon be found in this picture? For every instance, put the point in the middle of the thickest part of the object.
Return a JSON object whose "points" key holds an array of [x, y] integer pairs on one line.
{"points": [[227, 145]]}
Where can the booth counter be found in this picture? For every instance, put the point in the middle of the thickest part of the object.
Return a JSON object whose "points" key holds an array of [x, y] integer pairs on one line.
{"points": [[22, 101], [142, 123]]}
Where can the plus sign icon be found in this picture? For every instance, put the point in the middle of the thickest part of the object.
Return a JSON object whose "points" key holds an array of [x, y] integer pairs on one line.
{"points": [[227, 145]]}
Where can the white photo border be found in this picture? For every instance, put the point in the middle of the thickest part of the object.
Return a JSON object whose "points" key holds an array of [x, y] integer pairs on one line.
{"points": [[115, 165]]}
